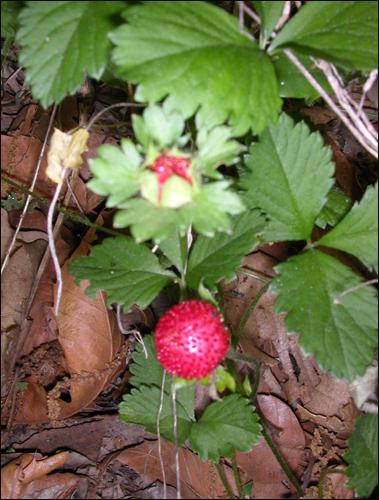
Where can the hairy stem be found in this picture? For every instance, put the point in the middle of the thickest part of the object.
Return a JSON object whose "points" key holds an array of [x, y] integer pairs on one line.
{"points": [[282, 463], [224, 481]]}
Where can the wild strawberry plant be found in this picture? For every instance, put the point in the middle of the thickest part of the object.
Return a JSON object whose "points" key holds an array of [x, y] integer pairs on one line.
{"points": [[168, 188]]}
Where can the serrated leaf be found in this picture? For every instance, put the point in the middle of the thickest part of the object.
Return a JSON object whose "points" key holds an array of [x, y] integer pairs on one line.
{"points": [[150, 222], [61, 41], [363, 456], [129, 273], [195, 49], [269, 12], [211, 206], [12, 201], [292, 83], [218, 257], [290, 178], [149, 372], [116, 171], [208, 213], [335, 208], [215, 149], [357, 233], [9, 12], [343, 33], [175, 249], [342, 336], [225, 426], [141, 408]]}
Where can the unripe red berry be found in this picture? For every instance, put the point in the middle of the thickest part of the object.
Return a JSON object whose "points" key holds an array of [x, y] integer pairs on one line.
{"points": [[166, 165], [191, 339]]}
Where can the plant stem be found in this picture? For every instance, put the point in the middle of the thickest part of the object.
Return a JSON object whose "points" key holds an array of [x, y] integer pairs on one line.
{"points": [[282, 463], [224, 481], [247, 314], [236, 475], [63, 211]]}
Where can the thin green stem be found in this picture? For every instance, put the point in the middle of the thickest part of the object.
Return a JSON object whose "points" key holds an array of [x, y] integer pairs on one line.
{"points": [[247, 315], [236, 475], [251, 275], [282, 463], [64, 211], [224, 481]]}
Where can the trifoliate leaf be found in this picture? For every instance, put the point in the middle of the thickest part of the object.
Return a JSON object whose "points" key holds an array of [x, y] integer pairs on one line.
{"points": [[215, 149], [343, 33], [175, 248], [61, 41], [363, 456], [269, 12], [116, 171], [141, 408], [342, 336], [218, 257], [127, 272], [294, 84], [290, 178], [225, 426], [335, 208], [149, 372], [9, 12], [195, 49], [357, 233]]}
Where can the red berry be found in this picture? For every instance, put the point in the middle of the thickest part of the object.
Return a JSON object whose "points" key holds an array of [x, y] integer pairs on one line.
{"points": [[191, 339], [165, 166]]}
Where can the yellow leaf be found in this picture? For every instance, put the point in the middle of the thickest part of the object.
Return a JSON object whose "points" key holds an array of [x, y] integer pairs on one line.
{"points": [[77, 147], [59, 149]]}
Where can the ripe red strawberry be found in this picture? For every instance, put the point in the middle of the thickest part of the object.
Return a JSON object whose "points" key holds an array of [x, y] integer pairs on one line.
{"points": [[166, 165], [191, 339]]}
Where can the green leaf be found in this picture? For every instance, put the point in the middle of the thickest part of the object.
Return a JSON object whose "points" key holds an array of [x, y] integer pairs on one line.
{"points": [[141, 408], [175, 248], [215, 149], [149, 372], [225, 426], [150, 222], [211, 206], [162, 127], [336, 207], [290, 178], [127, 272], [62, 40], [195, 49], [12, 201], [218, 257], [357, 233], [9, 13], [343, 33], [116, 171], [269, 12], [342, 337], [363, 456], [292, 83]]}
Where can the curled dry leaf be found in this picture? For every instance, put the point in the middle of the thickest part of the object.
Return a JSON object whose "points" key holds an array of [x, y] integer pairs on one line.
{"points": [[92, 344], [16, 475], [198, 479], [260, 464]]}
